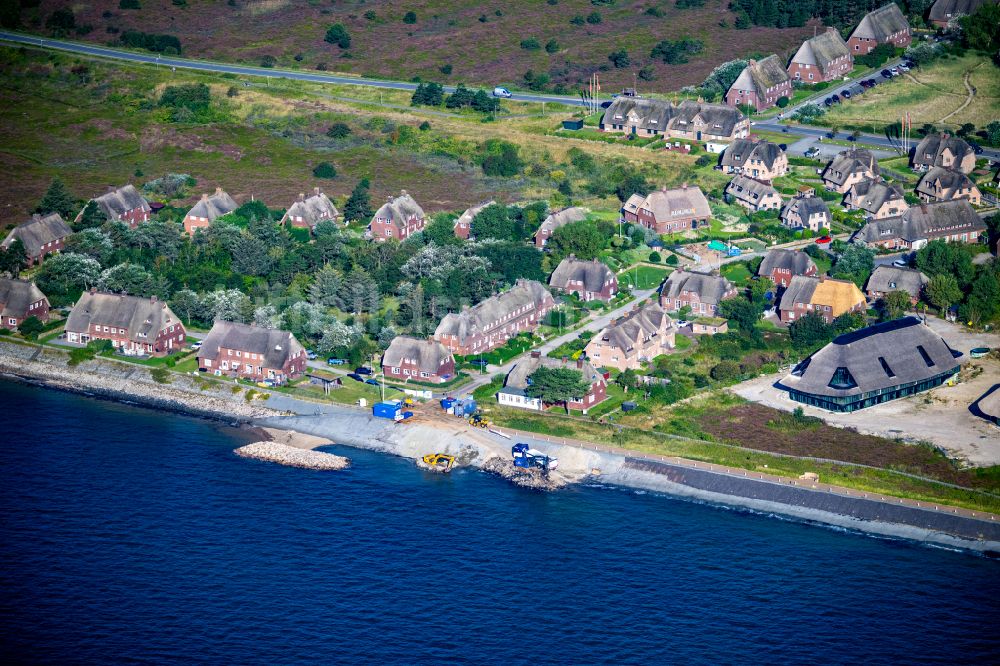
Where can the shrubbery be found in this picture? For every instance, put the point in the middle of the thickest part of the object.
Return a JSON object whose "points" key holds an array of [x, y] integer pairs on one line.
{"points": [[135, 39], [337, 34]]}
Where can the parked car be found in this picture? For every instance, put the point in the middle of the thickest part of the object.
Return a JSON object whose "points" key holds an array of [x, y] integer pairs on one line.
{"points": [[835, 98], [903, 67], [886, 74], [812, 152], [900, 263], [894, 71], [336, 361], [846, 94], [373, 382], [828, 101], [356, 377], [501, 92], [822, 240], [311, 355], [362, 370], [196, 345], [479, 362], [976, 148]]}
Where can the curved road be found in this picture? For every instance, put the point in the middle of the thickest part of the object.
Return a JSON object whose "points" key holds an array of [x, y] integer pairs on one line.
{"points": [[245, 70]]}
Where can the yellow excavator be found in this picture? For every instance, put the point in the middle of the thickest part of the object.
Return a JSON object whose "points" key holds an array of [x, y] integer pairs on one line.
{"points": [[440, 460], [479, 421]]}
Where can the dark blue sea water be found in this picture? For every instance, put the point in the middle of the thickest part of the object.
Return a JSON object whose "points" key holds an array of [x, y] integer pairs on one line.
{"points": [[133, 535]]}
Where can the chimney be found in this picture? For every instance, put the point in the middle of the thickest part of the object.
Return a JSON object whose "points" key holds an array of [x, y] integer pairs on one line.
{"points": [[579, 363], [204, 197], [402, 193], [536, 354], [822, 278], [684, 186], [564, 359], [152, 299], [923, 208], [112, 188], [316, 191], [93, 290], [302, 196], [752, 62], [218, 191]]}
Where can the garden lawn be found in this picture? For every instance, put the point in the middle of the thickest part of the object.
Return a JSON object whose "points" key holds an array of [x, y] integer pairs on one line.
{"points": [[643, 276]]}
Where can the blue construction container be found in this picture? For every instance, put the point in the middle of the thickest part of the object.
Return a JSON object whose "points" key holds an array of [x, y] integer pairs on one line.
{"points": [[386, 410], [446, 404], [470, 407]]}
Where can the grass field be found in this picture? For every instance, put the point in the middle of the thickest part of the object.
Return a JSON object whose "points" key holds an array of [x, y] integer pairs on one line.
{"points": [[480, 42], [643, 276], [931, 94]]}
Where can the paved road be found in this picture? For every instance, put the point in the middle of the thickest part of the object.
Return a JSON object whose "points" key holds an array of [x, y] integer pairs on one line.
{"points": [[243, 70]]}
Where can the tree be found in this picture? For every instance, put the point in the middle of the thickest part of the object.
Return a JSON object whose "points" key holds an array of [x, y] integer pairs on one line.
{"points": [[31, 327], [725, 370], [856, 263], [743, 312], [943, 291], [981, 30], [186, 304], [810, 331], [619, 58], [594, 18], [194, 97], [338, 130], [91, 217], [410, 18], [551, 46], [13, 258], [582, 238], [324, 170], [91, 242], [940, 257], [554, 385], [61, 21], [337, 34], [226, 305], [57, 199], [428, 94], [676, 52], [251, 255], [501, 158], [68, 272], [441, 231], [631, 182], [627, 379], [358, 207], [127, 278], [894, 305], [985, 295], [759, 289]]}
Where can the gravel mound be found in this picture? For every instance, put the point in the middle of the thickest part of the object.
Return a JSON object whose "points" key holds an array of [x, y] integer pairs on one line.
{"points": [[291, 456]]}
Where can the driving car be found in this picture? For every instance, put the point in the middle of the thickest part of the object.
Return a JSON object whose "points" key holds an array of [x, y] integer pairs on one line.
{"points": [[501, 92], [823, 240], [900, 263]]}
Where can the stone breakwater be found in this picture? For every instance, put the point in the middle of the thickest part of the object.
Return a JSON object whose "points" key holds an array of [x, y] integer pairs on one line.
{"points": [[533, 479], [291, 456], [116, 380]]}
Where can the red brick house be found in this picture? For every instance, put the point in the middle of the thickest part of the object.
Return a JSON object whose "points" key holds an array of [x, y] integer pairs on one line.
{"points": [[20, 299], [251, 352], [123, 204], [696, 121], [399, 217], [420, 360], [885, 25], [782, 265], [463, 225], [941, 184], [668, 211], [760, 85], [824, 296], [208, 209], [493, 322], [41, 236], [885, 279], [699, 291], [590, 280], [309, 211], [514, 392], [821, 58], [944, 12], [555, 220], [135, 325], [955, 221]]}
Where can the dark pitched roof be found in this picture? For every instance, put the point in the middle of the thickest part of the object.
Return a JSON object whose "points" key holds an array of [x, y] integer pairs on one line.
{"points": [[891, 278], [924, 221], [840, 295], [946, 10], [37, 232], [481, 317], [119, 201], [748, 189], [761, 75], [853, 160], [517, 378], [928, 152], [822, 49], [593, 274], [428, 355], [143, 318], [400, 209], [213, 206], [792, 260], [16, 296], [274, 345], [312, 209], [870, 195], [637, 326], [710, 288], [665, 205], [655, 114], [805, 207], [881, 23], [742, 151], [948, 180], [561, 218], [897, 352], [470, 213]]}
